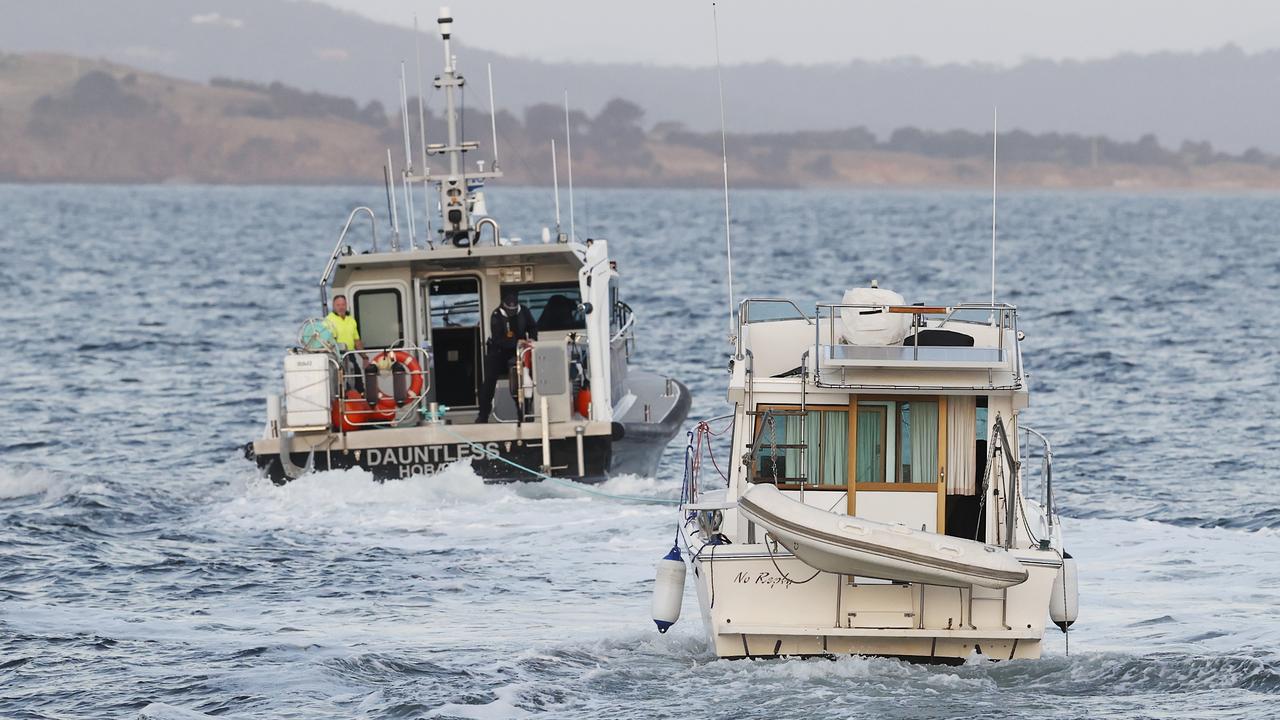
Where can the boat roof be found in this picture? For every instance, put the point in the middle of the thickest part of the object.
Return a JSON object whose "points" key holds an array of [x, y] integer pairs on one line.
{"points": [[449, 256]]}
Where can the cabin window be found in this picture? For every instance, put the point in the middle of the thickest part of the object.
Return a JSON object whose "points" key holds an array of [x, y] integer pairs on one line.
{"points": [[379, 317], [812, 448], [555, 306], [455, 302], [897, 441]]}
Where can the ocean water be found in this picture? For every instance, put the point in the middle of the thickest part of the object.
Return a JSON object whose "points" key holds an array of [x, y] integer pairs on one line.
{"points": [[146, 571]]}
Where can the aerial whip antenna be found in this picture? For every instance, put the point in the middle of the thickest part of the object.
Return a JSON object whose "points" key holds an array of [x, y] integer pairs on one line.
{"points": [[408, 160], [422, 134], [724, 164], [555, 181], [568, 153], [493, 117], [995, 140]]}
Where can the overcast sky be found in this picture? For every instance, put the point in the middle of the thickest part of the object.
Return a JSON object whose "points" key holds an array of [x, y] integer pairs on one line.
{"points": [[678, 32]]}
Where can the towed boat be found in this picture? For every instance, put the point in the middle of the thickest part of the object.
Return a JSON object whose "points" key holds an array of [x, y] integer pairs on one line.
{"points": [[409, 401], [837, 543], [878, 496]]}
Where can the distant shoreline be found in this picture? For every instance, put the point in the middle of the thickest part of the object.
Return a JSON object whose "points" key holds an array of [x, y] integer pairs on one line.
{"points": [[67, 120]]}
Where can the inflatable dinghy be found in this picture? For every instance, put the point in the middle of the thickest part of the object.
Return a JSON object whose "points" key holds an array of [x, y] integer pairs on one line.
{"points": [[848, 545]]}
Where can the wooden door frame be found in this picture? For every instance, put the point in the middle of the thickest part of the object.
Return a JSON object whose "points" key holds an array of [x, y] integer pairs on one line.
{"points": [[939, 487]]}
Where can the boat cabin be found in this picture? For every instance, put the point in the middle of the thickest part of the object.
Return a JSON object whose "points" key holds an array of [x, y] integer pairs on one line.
{"points": [[440, 301], [878, 409]]}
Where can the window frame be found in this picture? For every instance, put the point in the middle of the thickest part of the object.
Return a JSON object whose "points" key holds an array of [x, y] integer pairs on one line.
{"points": [[758, 424], [370, 289]]}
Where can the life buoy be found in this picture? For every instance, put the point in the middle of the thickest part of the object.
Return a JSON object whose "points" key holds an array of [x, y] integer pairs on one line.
{"points": [[411, 366]]}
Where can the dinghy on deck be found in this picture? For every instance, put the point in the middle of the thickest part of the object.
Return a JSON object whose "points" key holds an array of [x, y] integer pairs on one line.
{"points": [[846, 545]]}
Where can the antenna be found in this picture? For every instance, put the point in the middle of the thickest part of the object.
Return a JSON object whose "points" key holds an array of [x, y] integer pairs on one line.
{"points": [[568, 152], [391, 200], [995, 138], [408, 159], [724, 163], [422, 133], [555, 181], [493, 117]]}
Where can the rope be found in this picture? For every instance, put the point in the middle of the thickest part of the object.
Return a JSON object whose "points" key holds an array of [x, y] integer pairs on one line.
{"points": [[485, 452], [815, 574]]}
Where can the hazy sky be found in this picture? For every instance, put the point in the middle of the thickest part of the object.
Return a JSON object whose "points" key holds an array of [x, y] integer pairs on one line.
{"points": [[673, 32]]}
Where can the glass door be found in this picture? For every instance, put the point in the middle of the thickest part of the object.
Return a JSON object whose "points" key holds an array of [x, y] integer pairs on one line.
{"points": [[453, 305]]}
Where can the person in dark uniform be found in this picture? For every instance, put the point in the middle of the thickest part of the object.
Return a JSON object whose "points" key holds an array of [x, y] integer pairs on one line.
{"points": [[510, 324]]}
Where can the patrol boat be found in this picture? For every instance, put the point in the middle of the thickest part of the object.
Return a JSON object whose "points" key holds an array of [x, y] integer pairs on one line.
{"points": [[878, 497], [407, 403]]}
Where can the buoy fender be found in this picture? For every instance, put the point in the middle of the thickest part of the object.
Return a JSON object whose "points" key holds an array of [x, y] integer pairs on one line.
{"points": [[1064, 604], [668, 589]]}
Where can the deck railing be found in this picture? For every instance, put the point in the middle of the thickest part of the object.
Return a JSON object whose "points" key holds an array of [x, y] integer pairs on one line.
{"points": [[356, 410]]}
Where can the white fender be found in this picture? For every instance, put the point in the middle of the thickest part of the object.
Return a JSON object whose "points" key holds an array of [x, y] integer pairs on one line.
{"points": [[1064, 605], [668, 590]]}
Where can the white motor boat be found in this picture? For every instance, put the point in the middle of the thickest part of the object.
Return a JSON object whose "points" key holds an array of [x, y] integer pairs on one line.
{"points": [[875, 499], [410, 401]]}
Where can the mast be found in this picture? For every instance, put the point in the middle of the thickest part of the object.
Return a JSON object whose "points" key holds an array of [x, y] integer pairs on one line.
{"points": [[455, 187]]}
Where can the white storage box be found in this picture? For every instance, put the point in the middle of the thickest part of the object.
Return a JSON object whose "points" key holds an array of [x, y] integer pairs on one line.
{"points": [[307, 382]]}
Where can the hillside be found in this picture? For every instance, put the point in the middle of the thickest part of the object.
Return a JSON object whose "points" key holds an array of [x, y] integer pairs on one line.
{"points": [[69, 119], [1225, 96]]}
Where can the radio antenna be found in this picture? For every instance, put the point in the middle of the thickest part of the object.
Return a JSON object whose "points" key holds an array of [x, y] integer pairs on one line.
{"points": [[422, 134], [493, 117], [568, 153], [995, 140], [408, 161], [555, 181], [391, 200], [724, 164]]}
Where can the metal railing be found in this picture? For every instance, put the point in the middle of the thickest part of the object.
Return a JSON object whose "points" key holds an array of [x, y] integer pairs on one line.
{"points": [[746, 316], [337, 252], [392, 405], [1047, 502], [1002, 316]]}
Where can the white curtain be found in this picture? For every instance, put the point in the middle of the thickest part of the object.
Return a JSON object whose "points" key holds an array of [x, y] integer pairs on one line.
{"points": [[961, 439], [924, 441]]}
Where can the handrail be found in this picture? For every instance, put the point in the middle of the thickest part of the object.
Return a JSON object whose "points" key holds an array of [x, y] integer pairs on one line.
{"points": [[1048, 502], [337, 249], [492, 223], [627, 323]]}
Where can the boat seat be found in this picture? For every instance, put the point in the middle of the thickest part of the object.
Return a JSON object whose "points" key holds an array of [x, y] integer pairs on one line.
{"points": [[939, 338]]}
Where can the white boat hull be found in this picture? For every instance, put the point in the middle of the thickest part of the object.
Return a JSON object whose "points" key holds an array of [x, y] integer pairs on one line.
{"points": [[755, 604]]}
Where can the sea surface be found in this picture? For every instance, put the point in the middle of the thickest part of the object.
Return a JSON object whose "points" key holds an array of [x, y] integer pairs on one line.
{"points": [[146, 571]]}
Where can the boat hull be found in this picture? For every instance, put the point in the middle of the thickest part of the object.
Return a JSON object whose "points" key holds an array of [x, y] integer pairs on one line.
{"points": [[498, 452], [755, 604]]}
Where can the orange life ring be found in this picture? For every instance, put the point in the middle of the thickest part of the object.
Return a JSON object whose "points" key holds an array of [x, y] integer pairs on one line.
{"points": [[410, 363]]}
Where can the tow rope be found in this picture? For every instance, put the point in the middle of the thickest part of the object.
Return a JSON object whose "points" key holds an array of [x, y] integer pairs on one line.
{"points": [[485, 452]]}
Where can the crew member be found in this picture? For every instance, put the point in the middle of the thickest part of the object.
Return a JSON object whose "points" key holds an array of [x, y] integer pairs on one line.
{"points": [[509, 326], [347, 334]]}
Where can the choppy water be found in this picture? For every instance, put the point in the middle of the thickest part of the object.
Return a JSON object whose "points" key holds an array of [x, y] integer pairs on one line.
{"points": [[146, 572]]}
